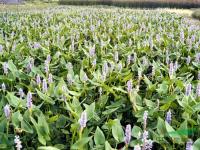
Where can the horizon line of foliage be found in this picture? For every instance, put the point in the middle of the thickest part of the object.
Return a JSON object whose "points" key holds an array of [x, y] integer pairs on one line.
{"points": [[135, 3]]}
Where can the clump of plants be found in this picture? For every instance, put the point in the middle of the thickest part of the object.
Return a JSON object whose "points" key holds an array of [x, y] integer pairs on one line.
{"points": [[93, 78]]}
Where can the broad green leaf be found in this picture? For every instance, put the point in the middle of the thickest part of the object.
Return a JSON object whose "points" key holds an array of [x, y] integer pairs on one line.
{"points": [[61, 121], [183, 129], [13, 100], [12, 68], [109, 111], [99, 137], [45, 97], [196, 144], [26, 126], [117, 131], [172, 133], [16, 119], [90, 109], [107, 146], [47, 148], [81, 143], [136, 132], [161, 129], [40, 136]]}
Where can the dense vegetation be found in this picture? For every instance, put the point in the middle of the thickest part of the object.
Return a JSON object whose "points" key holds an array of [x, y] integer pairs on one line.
{"points": [[93, 79], [196, 14], [137, 3]]}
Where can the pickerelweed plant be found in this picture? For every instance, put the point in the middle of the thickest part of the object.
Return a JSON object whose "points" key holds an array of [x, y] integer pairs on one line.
{"points": [[90, 78]]}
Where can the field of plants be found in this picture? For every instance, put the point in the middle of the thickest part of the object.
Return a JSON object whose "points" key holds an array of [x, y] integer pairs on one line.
{"points": [[92, 78], [137, 3]]}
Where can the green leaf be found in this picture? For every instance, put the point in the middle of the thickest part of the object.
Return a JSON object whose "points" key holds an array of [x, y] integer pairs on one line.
{"points": [[74, 93], [16, 119], [117, 131], [60, 123], [147, 81], [102, 101], [13, 100], [107, 146], [47, 148], [163, 88], [40, 137], [136, 132], [81, 142], [109, 111], [99, 137], [42, 128], [26, 126], [161, 129], [12, 68], [90, 109], [172, 133], [183, 129], [196, 144], [3, 146], [45, 97], [82, 73], [119, 89]]}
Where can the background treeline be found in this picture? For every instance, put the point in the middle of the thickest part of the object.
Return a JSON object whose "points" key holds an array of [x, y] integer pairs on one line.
{"points": [[136, 3]]}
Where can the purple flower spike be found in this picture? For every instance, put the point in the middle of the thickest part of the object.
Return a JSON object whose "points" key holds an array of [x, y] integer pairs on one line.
{"points": [[50, 78], [21, 93], [189, 145], [169, 117], [171, 69], [145, 116], [48, 59], [145, 135], [83, 120], [46, 66], [36, 45], [30, 64], [198, 90], [129, 86], [199, 75], [175, 66], [1, 48], [128, 134], [182, 37], [44, 86], [197, 57], [116, 56], [5, 68], [7, 111], [92, 51], [38, 80], [188, 59], [94, 62], [29, 100], [105, 68], [188, 89]]}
